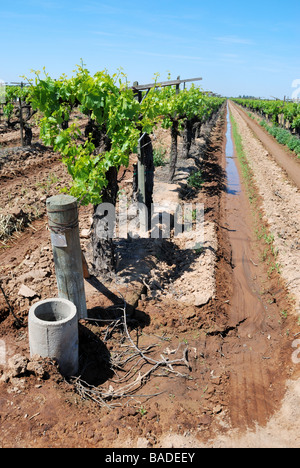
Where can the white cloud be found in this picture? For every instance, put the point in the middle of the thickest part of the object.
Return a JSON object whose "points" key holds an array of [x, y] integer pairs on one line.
{"points": [[173, 56], [234, 40], [102, 33]]}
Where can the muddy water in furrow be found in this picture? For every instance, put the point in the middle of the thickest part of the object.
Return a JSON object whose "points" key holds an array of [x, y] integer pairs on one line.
{"points": [[250, 378], [246, 301]]}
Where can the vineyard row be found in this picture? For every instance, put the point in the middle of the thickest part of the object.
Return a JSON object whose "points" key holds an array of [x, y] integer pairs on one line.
{"points": [[119, 120], [281, 113]]}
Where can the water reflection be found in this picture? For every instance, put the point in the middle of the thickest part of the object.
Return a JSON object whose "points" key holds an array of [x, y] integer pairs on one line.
{"points": [[233, 179]]}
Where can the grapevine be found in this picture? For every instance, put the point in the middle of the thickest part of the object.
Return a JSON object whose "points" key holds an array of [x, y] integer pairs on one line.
{"points": [[17, 111], [116, 122]]}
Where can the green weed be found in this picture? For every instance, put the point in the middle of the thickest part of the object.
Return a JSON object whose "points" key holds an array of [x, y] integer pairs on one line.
{"points": [[195, 180], [159, 157], [284, 137]]}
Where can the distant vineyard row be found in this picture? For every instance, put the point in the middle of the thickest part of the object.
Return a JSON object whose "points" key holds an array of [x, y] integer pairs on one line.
{"points": [[279, 112]]}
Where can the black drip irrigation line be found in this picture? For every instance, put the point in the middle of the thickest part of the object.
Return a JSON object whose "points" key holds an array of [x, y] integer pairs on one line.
{"points": [[18, 321]]}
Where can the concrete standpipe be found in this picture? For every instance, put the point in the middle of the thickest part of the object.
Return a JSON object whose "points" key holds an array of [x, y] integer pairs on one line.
{"points": [[53, 333]]}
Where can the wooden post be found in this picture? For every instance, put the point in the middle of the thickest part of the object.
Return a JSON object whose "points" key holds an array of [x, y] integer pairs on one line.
{"points": [[141, 164], [141, 175], [174, 141], [178, 86], [62, 213], [21, 119]]}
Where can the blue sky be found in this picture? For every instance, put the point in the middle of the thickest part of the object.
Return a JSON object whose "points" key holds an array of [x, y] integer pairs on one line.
{"points": [[236, 47]]}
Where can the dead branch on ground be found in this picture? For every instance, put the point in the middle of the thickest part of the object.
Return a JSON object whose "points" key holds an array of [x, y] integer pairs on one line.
{"points": [[134, 379]]}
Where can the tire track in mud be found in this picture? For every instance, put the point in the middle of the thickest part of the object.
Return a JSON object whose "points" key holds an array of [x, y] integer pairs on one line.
{"points": [[280, 198], [256, 371]]}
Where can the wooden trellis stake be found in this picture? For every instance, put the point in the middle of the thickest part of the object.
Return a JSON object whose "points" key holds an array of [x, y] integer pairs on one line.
{"points": [[62, 213]]}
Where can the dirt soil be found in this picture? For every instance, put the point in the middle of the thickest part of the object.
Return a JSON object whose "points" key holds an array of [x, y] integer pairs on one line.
{"points": [[202, 354]]}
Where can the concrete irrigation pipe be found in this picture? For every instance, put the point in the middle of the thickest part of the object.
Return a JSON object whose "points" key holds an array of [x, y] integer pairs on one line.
{"points": [[53, 333]]}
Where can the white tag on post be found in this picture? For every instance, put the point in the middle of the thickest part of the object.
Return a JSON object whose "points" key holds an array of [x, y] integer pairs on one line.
{"points": [[58, 240]]}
